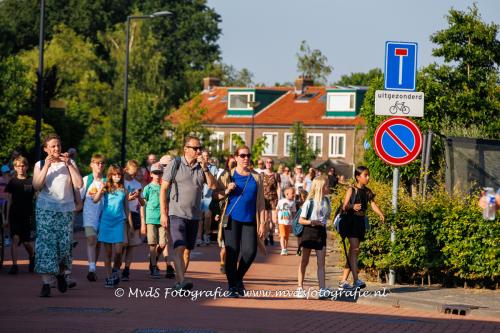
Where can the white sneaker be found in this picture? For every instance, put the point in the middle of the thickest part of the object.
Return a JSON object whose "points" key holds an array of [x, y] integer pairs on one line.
{"points": [[359, 284], [199, 242], [300, 293], [284, 252], [344, 285]]}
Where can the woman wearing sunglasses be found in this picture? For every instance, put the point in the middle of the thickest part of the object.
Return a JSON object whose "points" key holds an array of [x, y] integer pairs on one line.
{"points": [[242, 222]]}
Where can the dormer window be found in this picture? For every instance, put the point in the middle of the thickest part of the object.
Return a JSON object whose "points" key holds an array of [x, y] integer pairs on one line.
{"points": [[341, 101], [241, 100]]}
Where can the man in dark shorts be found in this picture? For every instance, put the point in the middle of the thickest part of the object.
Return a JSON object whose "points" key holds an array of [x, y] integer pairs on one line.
{"points": [[181, 208]]}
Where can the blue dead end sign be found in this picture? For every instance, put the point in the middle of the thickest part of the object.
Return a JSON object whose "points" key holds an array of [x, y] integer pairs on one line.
{"points": [[397, 141], [400, 66]]}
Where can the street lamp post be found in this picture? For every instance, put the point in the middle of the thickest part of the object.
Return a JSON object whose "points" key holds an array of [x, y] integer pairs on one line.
{"points": [[39, 111], [253, 104], [125, 88]]}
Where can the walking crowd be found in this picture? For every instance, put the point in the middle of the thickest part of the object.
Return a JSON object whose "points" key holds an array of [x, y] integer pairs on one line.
{"points": [[175, 204]]}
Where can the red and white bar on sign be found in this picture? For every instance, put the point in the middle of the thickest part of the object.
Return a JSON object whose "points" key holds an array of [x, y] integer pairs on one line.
{"points": [[401, 52]]}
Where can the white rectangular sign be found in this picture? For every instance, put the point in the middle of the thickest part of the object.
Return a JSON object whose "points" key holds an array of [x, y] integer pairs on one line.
{"points": [[399, 103]]}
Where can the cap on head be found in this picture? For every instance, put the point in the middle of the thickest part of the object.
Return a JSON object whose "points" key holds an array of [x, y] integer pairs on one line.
{"points": [[156, 168]]}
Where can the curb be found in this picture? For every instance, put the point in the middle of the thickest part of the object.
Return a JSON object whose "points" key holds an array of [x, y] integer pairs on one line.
{"points": [[400, 301]]}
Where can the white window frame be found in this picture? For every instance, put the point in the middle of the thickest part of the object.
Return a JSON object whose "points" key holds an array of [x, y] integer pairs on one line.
{"points": [[231, 145], [285, 141], [315, 135], [332, 149], [250, 98], [219, 137], [334, 94], [275, 152]]}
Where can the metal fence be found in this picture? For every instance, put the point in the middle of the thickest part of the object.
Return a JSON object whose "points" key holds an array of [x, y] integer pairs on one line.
{"points": [[472, 163]]}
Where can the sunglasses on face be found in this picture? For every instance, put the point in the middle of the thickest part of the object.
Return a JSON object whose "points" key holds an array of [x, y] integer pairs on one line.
{"points": [[245, 155], [199, 148]]}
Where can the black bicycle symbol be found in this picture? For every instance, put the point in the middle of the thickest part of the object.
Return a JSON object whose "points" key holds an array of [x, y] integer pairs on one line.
{"points": [[399, 106]]}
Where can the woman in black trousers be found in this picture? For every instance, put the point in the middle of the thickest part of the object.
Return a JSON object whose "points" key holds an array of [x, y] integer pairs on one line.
{"points": [[242, 222]]}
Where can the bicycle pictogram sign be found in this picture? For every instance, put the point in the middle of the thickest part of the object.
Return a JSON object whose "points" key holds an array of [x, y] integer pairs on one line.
{"points": [[399, 106]]}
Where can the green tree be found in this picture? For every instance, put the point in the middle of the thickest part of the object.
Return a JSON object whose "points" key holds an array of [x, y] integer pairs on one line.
{"points": [[19, 20], [257, 148], [72, 76], [15, 88], [300, 150], [188, 42], [464, 94], [470, 76], [188, 120], [15, 100], [20, 136], [359, 79], [228, 75], [313, 64]]}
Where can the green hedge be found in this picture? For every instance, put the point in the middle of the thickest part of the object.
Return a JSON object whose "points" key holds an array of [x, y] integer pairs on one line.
{"points": [[443, 237]]}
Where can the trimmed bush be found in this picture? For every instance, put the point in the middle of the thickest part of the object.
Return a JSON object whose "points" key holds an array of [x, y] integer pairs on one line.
{"points": [[443, 237]]}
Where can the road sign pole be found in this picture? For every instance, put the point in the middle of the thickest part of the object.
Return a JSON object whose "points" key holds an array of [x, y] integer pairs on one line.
{"points": [[422, 165], [395, 187], [427, 161]]}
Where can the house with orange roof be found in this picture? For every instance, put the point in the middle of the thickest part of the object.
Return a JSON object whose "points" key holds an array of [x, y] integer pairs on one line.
{"points": [[330, 116]]}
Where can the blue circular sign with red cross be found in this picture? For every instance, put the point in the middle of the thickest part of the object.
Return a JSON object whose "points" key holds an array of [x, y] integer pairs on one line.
{"points": [[397, 141]]}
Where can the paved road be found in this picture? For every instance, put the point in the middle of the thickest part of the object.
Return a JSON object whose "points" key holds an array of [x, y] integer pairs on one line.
{"points": [[92, 308]]}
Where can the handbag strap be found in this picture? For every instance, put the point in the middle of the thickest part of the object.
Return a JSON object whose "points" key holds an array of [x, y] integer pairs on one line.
{"points": [[352, 199], [239, 197], [71, 180]]}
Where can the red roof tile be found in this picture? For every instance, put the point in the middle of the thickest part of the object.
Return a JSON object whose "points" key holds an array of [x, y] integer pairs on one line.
{"points": [[284, 111]]}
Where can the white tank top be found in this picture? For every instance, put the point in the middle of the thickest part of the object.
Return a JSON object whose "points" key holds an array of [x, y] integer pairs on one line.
{"points": [[57, 192]]}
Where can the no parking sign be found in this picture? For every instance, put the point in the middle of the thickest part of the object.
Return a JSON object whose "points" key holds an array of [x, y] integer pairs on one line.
{"points": [[397, 141]]}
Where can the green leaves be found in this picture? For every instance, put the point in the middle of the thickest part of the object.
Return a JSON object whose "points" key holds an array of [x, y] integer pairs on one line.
{"points": [[313, 64], [444, 235], [300, 150]]}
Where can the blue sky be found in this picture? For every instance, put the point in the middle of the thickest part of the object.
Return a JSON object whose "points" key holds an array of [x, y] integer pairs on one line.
{"points": [[264, 35]]}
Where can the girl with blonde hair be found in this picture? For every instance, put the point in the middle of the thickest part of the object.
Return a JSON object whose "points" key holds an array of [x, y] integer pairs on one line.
{"points": [[314, 216]]}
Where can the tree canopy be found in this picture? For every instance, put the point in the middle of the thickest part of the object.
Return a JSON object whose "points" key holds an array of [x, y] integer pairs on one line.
{"points": [[359, 78], [313, 64], [84, 68], [462, 92]]}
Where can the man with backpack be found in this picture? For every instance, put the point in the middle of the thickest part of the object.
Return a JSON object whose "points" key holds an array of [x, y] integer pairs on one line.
{"points": [[180, 201]]}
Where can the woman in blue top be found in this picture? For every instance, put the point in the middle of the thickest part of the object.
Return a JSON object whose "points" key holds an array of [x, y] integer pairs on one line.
{"points": [[242, 223], [112, 221]]}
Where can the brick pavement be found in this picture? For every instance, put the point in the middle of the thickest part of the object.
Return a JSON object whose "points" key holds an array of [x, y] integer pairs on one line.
{"points": [[92, 308]]}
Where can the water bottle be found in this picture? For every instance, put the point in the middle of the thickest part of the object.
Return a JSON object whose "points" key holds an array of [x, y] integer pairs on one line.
{"points": [[489, 211]]}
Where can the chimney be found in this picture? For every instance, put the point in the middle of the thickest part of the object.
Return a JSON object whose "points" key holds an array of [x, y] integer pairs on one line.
{"points": [[210, 82], [301, 83]]}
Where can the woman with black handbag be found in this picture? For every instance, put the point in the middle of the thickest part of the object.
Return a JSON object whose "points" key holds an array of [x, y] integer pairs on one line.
{"points": [[242, 223], [314, 216], [356, 225]]}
